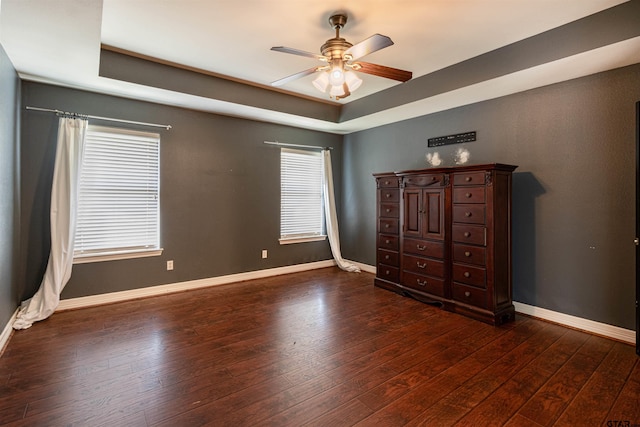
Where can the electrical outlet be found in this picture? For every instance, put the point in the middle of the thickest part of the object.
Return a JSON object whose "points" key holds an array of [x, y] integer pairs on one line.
{"points": [[169, 265], [264, 253]]}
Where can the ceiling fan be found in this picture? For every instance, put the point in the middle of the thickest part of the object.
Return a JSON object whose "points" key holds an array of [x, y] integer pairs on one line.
{"points": [[342, 59]]}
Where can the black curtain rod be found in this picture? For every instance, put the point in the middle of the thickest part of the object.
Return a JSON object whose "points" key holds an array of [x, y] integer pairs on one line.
{"points": [[308, 147], [59, 112]]}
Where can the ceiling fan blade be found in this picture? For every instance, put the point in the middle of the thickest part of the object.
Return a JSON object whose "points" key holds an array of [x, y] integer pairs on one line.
{"points": [[294, 77], [367, 46], [386, 72], [298, 52]]}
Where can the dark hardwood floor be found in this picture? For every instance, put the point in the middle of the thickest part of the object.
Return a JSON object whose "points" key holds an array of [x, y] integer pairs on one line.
{"points": [[319, 348]]}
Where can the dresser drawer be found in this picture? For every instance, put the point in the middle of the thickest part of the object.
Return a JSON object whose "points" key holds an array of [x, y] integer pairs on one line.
{"points": [[424, 180], [469, 254], [429, 248], [388, 242], [389, 210], [388, 225], [388, 181], [388, 257], [427, 284], [469, 275], [469, 234], [468, 178], [468, 195], [389, 273], [421, 265], [388, 195], [470, 214], [470, 295]]}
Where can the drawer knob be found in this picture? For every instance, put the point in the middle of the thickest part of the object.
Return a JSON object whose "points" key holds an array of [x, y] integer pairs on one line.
{"points": [[421, 283], [468, 195], [388, 210], [467, 254], [421, 265], [467, 274], [468, 179], [467, 214], [387, 182], [387, 226], [387, 241], [467, 294], [467, 234], [387, 195], [433, 178], [386, 272], [386, 257], [421, 248]]}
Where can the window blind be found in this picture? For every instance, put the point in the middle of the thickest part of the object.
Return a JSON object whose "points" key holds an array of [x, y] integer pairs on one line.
{"points": [[118, 200], [301, 210]]}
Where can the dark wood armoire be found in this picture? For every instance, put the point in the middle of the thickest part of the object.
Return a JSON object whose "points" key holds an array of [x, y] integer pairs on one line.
{"points": [[444, 237]]}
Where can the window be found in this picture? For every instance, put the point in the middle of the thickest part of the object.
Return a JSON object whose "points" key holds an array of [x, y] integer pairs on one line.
{"points": [[118, 197], [301, 209]]}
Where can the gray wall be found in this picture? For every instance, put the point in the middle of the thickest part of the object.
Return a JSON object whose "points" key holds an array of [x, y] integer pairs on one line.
{"points": [[573, 204], [220, 195], [573, 192], [9, 201]]}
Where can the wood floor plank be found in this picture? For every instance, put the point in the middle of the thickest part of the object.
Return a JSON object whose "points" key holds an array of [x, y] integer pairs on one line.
{"points": [[555, 395], [593, 402], [471, 393], [424, 363], [626, 406], [450, 377], [317, 348], [502, 404]]}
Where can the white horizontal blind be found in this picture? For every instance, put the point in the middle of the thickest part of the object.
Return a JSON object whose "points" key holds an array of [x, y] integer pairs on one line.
{"points": [[119, 198], [301, 211]]}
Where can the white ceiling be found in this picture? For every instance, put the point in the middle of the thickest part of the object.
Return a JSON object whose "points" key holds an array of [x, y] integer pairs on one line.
{"points": [[59, 42]]}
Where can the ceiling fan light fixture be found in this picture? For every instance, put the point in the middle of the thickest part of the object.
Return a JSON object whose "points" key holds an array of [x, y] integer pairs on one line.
{"points": [[336, 75], [321, 82], [337, 91], [352, 80]]}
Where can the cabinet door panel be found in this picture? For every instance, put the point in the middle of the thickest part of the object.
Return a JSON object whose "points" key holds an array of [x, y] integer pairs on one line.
{"points": [[434, 214], [412, 212]]}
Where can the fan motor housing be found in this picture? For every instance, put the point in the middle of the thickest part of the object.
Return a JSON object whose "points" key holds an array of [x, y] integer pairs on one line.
{"points": [[334, 48]]}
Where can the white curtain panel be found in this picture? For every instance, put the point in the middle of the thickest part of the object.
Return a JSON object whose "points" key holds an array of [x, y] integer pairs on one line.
{"points": [[331, 218], [64, 194]]}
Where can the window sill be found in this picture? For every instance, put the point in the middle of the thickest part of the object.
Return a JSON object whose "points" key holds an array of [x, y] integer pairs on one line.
{"points": [[112, 256], [292, 240]]}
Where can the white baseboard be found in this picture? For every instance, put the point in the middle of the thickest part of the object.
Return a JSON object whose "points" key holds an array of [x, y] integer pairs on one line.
{"points": [[610, 331], [92, 300], [7, 331]]}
